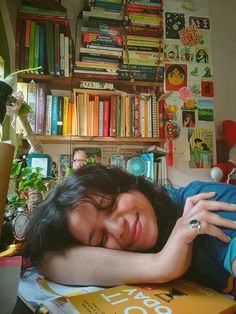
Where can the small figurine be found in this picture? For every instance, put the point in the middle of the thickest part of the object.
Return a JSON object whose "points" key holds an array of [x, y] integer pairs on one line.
{"points": [[226, 171]]}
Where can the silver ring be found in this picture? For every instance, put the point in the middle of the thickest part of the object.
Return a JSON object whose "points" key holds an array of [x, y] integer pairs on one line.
{"points": [[195, 224]]}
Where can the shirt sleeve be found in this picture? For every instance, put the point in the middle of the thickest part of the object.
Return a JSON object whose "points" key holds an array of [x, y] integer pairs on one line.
{"points": [[230, 256]]}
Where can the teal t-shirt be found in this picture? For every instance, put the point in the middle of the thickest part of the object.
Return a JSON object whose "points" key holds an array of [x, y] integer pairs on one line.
{"points": [[212, 258]]}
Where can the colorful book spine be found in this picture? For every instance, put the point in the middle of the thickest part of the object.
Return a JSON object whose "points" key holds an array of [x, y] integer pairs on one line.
{"points": [[137, 131], [66, 57], [48, 120], [54, 114], [40, 108]]}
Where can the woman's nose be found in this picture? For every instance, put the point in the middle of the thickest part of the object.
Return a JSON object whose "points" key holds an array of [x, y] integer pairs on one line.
{"points": [[115, 226]]}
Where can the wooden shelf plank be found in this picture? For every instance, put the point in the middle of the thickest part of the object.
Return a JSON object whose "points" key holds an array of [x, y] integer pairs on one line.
{"points": [[61, 82], [96, 139]]}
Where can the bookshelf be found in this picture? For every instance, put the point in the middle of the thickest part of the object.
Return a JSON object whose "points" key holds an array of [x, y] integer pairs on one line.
{"points": [[72, 81]]}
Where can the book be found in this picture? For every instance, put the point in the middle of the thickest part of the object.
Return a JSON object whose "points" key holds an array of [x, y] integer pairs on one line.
{"points": [[40, 108], [42, 58], [106, 119], [113, 116], [103, 39], [65, 115], [54, 115], [32, 102], [49, 32], [48, 120], [96, 116], [60, 115], [179, 296]]}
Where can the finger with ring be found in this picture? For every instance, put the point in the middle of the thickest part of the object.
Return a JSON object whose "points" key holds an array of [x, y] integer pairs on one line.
{"points": [[195, 224]]}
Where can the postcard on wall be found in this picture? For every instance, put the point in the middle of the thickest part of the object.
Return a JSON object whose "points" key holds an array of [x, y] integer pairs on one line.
{"points": [[202, 55], [205, 110], [171, 52], [201, 148], [207, 88], [200, 22], [176, 76], [181, 151], [174, 23]]}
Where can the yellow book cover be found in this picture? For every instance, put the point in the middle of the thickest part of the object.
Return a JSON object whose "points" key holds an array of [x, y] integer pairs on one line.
{"points": [[180, 297], [74, 130], [65, 115]]}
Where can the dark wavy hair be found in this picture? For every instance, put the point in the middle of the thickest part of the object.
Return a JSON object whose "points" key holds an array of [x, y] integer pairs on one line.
{"points": [[48, 227]]}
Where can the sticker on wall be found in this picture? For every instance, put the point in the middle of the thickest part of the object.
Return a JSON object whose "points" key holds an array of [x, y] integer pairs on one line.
{"points": [[181, 151], [188, 119], [189, 104], [194, 72], [205, 110], [207, 89], [171, 52], [207, 73], [201, 148], [190, 36], [200, 22], [201, 55], [176, 76], [195, 87], [187, 54], [174, 22]]}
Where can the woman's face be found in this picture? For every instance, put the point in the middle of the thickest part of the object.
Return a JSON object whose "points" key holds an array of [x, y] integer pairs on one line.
{"points": [[131, 224]]}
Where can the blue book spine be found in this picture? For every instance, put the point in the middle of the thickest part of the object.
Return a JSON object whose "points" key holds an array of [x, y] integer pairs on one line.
{"points": [[54, 114]]}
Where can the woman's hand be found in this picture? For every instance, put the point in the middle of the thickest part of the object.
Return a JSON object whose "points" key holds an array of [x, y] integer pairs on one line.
{"points": [[178, 249], [199, 207]]}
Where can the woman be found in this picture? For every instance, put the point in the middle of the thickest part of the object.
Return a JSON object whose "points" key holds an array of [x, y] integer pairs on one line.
{"points": [[94, 228]]}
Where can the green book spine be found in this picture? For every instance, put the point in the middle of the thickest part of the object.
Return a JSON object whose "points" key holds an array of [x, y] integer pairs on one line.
{"points": [[50, 47], [32, 44], [36, 48]]}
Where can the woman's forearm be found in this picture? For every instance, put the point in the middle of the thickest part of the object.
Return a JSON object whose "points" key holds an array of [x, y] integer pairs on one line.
{"points": [[104, 267]]}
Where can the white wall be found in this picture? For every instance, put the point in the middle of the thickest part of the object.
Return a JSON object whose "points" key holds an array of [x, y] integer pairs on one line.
{"points": [[223, 21], [223, 46]]}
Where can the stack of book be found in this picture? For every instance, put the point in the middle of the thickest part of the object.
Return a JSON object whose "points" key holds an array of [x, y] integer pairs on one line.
{"points": [[102, 40], [43, 38], [143, 42]]}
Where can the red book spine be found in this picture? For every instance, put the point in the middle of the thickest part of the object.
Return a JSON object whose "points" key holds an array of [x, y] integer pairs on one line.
{"points": [[113, 116], [106, 110]]}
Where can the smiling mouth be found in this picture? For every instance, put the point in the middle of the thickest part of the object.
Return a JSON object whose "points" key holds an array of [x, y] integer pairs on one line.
{"points": [[135, 231]]}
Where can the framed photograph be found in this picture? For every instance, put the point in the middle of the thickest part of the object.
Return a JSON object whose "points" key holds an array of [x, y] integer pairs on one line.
{"points": [[43, 161]]}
